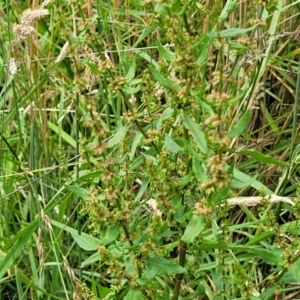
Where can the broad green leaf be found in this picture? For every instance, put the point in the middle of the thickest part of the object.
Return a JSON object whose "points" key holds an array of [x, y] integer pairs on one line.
{"points": [[199, 171], [133, 294], [167, 113], [230, 32], [135, 143], [163, 81], [296, 269], [166, 53], [95, 257], [21, 240], [240, 126], [163, 265], [210, 245], [110, 235], [85, 241], [263, 158], [131, 72], [179, 210], [195, 131], [118, 136], [194, 228], [80, 192], [88, 175], [131, 90], [171, 145], [272, 257]]}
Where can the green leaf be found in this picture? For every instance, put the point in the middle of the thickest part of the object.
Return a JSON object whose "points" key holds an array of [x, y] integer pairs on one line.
{"points": [[296, 269], [135, 143], [197, 134], [179, 210], [237, 174], [80, 192], [118, 136], [199, 170], [133, 294], [87, 175], [131, 72], [171, 145], [273, 256], [194, 228], [94, 68], [163, 81], [210, 245], [263, 158], [163, 266], [91, 259], [143, 188], [240, 126], [230, 32], [66, 137], [167, 113], [86, 242], [165, 53], [166, 293], [21, 239]]}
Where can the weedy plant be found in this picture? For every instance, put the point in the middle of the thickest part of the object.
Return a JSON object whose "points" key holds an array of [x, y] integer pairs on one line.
{"points": [[149, 150]]}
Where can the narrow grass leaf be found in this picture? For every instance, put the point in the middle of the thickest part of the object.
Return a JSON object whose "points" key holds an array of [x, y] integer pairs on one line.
{"points": [[263, 158], [240, 126], [163, 265], [22, 238], [197, 134], [143, 188], [194, 228], [118, 136], [66, 137], [144, 34], [166, 293], [163, 81], [239, 175], [94, 68], [171, 145]]}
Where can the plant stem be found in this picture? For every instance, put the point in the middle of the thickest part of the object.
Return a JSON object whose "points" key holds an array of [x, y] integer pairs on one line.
{"points": [[179, 277]]}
